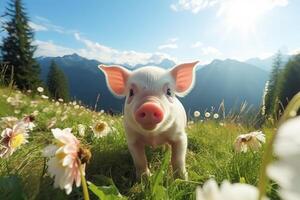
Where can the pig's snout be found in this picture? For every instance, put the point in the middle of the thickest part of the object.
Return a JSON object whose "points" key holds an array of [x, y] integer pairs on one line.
{"points": [[148, 115]]}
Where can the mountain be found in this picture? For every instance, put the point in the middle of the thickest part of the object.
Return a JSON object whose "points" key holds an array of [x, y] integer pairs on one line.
{"points": [[86, 81], [266, 63], [230, 80]]}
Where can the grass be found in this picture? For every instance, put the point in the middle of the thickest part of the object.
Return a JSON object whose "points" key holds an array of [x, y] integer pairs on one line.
{"points": [[210, 155]]}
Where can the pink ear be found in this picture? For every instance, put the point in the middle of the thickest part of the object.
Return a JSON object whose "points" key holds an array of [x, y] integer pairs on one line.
{"points": [[184, 75], [116, 78]]}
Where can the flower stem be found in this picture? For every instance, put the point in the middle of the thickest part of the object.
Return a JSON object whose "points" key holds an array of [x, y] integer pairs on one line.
{"points": [[289, 112], [83, 182]]}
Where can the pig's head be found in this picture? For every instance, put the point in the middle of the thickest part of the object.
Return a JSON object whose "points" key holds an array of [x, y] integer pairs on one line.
{"points": [[150, 93]]}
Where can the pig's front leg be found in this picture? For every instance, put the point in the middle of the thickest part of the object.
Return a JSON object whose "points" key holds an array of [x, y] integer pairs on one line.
{"points": [[137, 151], [178, 157]]}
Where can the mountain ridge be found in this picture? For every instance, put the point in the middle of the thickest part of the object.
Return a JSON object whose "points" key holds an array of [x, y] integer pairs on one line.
{"points": [[217, 81]]}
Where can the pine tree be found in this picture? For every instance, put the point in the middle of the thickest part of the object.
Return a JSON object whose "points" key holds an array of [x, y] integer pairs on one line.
{"points": [[17, 49], [289, 82], [273, 85], [57, 83]]}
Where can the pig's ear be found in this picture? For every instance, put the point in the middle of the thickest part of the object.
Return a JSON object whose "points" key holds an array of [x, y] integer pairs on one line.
{"points": [[184, 77], [116, 78]]}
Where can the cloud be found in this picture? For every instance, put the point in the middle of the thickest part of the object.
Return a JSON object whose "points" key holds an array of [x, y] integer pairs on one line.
{"points": [[211, 51], [193, 5], [167, 46], [170, 44], [48, 48], [43, 19], [196, 5], [44, 24], [37, 27], [105, 54], [95, 50], [172, 40], [294, 51], [265, 55], [196, 44]]}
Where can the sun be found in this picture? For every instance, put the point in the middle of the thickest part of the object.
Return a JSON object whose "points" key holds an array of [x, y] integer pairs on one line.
{"points": [[243, 15]]}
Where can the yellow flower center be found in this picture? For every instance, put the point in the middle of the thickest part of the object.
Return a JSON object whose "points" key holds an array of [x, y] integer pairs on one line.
{"points": [[100, 127], [17, 140], [60, 156]]}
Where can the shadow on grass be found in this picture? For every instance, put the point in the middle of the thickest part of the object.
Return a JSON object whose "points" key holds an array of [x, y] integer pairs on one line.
{"points": [[113, 163]]}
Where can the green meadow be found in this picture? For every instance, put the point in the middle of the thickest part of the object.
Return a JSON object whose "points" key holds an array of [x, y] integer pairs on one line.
{"points": [[110, 169]]}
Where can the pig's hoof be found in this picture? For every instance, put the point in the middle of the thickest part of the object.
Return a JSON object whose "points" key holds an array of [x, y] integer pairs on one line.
{"points": [[181, 175], [143, 174]]}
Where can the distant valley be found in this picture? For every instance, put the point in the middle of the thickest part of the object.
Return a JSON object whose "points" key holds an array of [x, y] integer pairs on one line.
{"points": [[228, 80]]}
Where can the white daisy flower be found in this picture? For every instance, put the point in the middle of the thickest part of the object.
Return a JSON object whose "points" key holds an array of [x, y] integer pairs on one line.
{"points": [[8, 122], [227, 191], [285, 171], [196, 114], [44, 96], [248, 141], [12, 139], [207, 115], [81, 129], [40, 89], [216, 116], [63, 162], [101, 129]]}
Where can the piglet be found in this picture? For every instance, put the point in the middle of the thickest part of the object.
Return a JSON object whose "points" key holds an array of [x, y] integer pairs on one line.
{"points": [[152, 113]]}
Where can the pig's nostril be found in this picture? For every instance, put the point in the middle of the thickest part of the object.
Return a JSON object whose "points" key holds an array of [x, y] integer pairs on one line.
{"points": [[142, 114]]}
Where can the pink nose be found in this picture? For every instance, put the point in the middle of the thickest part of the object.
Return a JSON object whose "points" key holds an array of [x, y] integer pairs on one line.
{"points": [[149, 114]]}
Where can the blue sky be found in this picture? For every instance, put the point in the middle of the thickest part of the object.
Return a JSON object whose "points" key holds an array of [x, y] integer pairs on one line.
{"points": [[141, 31]]}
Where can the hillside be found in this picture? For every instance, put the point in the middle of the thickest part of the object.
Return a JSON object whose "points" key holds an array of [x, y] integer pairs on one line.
{"points": [[233, 81]]}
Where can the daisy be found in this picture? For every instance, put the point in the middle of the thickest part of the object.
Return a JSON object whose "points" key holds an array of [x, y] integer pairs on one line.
{"points": [[45, 110], [8, 122], [40, 89], [196, 114], [101, 129], [285, 171], [64, 160], [44, 96], [35, 113], [51, 123], [227, 191], [207, 115], [64, 117], [28, 121], [15, 101], [12, 139], [251, 141], [216, 116], [81, 129]]}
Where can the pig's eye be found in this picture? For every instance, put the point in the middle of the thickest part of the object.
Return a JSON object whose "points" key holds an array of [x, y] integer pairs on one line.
{"points": [[131, 93], [169, 92]]}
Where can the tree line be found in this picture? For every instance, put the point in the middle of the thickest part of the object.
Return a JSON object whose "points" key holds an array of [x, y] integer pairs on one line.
{"points": [[283, 84], [17, 55]]}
